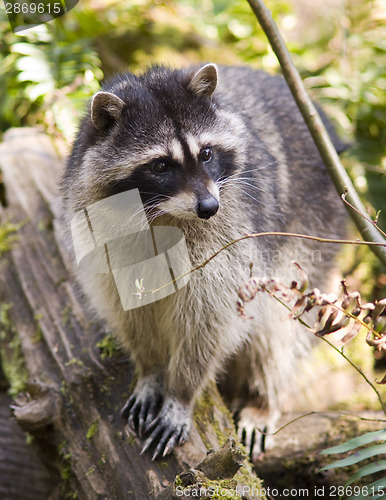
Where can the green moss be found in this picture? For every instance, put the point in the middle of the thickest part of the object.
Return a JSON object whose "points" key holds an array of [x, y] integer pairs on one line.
{"points": [[74, 361], [130, 439], [108, 347], [68, 495], [8, 236], [92, 430], [64, 390], [65, 462], [66, 315], [207, 411], [247, 477], [46, 224], [178, 482], [220, 490], [29, 438], [38, 336], [91, 470], [223, 489], [66, 474], [12, 358]]}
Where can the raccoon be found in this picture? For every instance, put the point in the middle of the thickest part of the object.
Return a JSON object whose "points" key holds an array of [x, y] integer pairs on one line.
{"points": [[217, 152]]}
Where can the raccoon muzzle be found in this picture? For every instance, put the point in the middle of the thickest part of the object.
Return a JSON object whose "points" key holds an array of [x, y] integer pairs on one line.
{"points": [[207, 207]]}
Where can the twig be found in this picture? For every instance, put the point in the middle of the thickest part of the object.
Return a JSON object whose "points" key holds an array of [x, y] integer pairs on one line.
{"points": [[321, 412], [368, 220], [316, 127], [268, 233]]}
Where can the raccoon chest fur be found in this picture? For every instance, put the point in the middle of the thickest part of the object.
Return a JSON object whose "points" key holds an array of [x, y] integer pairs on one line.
{"points": [[215, 152]]}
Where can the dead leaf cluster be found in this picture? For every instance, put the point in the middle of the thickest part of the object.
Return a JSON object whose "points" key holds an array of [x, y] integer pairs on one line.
{"points": [[344, 316]]}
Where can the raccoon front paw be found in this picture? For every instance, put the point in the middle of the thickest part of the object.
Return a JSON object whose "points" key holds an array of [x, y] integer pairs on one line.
{"points": [[254, 430], [143, 405], [169, 429]]}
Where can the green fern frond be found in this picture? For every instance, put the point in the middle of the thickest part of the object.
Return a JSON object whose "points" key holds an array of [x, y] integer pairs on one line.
{"points": [[367, 438], [367, 470], [358, 456], [377, 489]]}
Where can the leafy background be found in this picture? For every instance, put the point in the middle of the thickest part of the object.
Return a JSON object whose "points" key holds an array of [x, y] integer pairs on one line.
{"points": [[339, 46]]}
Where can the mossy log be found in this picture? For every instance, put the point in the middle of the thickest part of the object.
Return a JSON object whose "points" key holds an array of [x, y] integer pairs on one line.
{"points": [[71, 400]]}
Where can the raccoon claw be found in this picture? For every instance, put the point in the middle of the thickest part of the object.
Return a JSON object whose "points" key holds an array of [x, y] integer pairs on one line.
{"points": [[142, 406], [125, 411], [168, 441], [147, 415], [169, 429], [253, 439], [254, 430]]}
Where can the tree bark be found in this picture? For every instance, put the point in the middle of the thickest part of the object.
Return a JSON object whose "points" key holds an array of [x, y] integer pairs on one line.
{"points": [[22, 475], [72, 400]]}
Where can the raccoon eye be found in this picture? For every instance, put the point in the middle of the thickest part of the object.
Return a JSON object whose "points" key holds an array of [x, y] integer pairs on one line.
{"points": [[159, 167], [206, 155]]}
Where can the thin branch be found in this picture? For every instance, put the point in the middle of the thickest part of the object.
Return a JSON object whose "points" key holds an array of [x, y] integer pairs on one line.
{"points": [[268, 233], [321, 412], [374, 223], [317, 129]]}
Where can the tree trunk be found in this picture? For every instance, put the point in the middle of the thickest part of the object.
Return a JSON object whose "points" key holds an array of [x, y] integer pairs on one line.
{"points": [[71, 402]]}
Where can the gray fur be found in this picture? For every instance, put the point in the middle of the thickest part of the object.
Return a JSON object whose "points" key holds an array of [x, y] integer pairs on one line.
{"points": [[276, 181]]}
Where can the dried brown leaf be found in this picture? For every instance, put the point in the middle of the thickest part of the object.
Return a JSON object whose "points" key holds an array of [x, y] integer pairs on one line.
{"points": [[304, 281], [351, 302], [354, 329], [378, 342], [381, 382]]}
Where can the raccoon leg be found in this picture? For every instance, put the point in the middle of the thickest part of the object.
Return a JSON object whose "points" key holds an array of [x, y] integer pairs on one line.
{"points": [[255, 409], [143, 405], [172, 425], [188, 371]]}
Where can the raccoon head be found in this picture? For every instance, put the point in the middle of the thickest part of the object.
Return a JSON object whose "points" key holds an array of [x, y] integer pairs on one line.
{"points": [[166, 134]]}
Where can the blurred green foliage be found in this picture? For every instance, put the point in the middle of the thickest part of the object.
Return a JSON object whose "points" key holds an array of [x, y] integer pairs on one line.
{"points": [[47, 72]]}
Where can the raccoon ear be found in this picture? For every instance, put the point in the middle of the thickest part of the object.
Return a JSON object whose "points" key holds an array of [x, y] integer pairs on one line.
{"points": [[106, 108], [204, 82]]}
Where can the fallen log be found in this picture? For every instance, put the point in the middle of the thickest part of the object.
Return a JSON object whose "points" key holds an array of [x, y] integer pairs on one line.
{"points": [[71, 400]]}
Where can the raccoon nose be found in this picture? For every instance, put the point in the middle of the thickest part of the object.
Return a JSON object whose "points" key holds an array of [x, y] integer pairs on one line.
{"points": [[207, 207]]}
